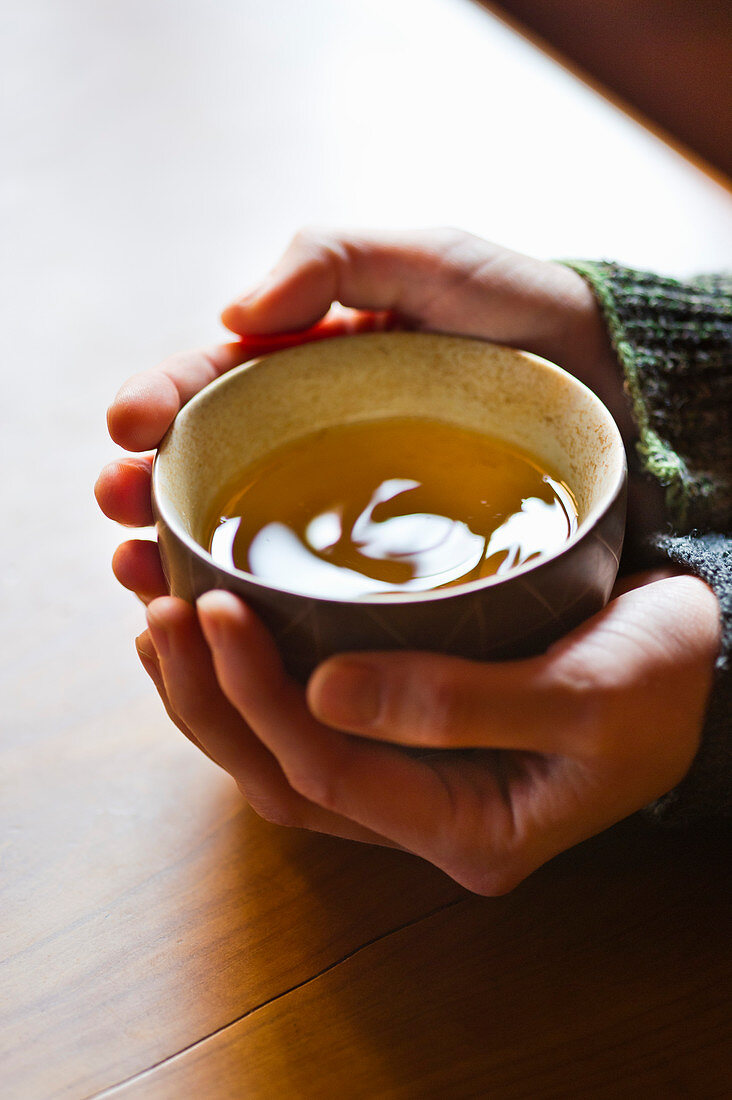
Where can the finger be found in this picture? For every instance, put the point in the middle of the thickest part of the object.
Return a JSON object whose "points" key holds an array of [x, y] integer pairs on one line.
{"points": [[194, 698], [376, 786], [611, 674], [386, 271], [436, 279], [147, 403], [314, 272], [136, 565], [149, 661], [440, 702], [190, 683], [339, 321], [122, 491]]}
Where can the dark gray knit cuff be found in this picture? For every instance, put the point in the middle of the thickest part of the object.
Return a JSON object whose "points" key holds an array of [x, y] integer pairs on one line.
{"points": [[674, 343], [706, 791]]}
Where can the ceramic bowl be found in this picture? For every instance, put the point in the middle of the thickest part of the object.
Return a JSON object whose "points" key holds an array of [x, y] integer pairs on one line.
{"points": [[516, 396]]}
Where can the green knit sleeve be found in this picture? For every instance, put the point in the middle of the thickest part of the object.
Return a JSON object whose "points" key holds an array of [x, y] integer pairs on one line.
{"points": [[674, 343], [673, 340]]}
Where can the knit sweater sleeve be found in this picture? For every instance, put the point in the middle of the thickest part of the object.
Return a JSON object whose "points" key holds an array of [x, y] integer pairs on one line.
{"points": [[673, 341]]}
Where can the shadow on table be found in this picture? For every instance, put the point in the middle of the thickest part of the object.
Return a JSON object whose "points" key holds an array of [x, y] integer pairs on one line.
{"points": [[602, 974], [342, 970]]}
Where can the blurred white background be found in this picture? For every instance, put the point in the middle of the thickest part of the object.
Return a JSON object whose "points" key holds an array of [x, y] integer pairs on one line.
{"points": [[161, 152], [158, 154]]}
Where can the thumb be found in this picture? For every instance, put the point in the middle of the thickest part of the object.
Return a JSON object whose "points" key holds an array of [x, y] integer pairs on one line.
{"points": [[435, 701], [317, 269], [442, 280], [642, 663]]}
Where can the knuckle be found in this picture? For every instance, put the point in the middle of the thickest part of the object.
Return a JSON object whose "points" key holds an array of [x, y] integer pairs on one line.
{"points": [[310, 232], [319, 789], [305, 237], [323, 249], [317, 241], [488, 881], [164, 377], [447, 237], [488, 869], [438, 710], [462, 250], [580, 702], [277, 811]]}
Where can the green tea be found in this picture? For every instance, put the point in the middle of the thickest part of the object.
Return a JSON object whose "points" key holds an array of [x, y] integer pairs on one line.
{"points": [[384, 506]]}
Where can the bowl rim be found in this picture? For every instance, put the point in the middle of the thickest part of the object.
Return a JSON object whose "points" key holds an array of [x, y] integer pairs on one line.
{"points": [[166, 516]]}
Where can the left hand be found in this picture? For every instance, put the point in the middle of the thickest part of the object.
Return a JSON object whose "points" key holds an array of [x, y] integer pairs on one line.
{"points": [[567, 743]]}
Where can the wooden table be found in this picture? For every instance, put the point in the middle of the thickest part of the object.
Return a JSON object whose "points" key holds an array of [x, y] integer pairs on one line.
{"points": [[158, 940]]}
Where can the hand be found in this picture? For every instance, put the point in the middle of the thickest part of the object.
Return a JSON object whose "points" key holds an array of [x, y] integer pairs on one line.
{"points": [[441, 280], [567, 743], [531, 789]]}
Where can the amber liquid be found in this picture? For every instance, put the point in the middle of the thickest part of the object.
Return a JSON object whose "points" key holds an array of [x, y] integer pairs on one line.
{"points": [[389, 506]]}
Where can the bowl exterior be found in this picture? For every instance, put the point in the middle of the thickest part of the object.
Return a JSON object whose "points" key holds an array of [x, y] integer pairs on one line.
{"points": [[518, 616]]}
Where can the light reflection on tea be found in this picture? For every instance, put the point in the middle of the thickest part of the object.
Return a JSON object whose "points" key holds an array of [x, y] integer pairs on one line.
{"points": [[389, 506]]}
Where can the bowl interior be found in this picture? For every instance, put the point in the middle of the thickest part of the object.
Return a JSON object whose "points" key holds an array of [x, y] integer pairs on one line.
{"points": [[512, 395]]}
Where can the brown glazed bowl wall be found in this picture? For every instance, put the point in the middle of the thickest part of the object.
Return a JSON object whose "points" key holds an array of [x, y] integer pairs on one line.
{"points": [[516, 396]]}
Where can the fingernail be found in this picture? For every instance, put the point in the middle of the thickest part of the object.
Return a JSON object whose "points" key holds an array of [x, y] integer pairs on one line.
{"points": [[150, 665], [144, 645], [159, 634], [348, 694], [211, 604]]}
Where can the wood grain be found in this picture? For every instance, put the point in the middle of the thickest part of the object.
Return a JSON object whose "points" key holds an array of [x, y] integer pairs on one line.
{"points": [[603, 975], [149, 917]]}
